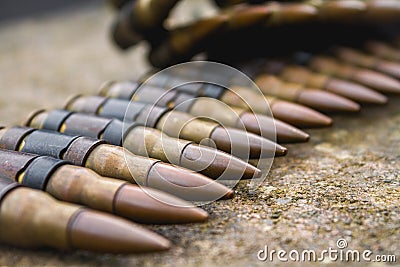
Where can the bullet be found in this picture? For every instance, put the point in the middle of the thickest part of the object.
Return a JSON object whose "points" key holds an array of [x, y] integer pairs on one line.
{"points": [[383, 50], [317, 99], [33, 219], [180, 125], [351, 90], [240, 96], [360, 59], [207, 107], [140, 19], [83, 186], [183, 43], [370, 78], [287, 134]]}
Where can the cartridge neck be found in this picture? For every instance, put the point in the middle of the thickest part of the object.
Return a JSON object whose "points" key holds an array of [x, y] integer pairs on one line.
{"points": [[37, 119], [121, 90], [6, 186]]}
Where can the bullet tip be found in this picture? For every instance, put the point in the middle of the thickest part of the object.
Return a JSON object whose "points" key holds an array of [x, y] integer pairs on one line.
{"points": [[286, 133], [257, 173], [229, 195], [102, 232], [280, 150]]}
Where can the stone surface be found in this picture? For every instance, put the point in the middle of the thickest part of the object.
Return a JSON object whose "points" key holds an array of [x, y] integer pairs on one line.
{"points": [[344, 183]]}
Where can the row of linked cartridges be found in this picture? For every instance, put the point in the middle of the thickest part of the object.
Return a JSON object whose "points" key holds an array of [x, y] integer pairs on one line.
{"points": [[146, 151], [232, 30]]}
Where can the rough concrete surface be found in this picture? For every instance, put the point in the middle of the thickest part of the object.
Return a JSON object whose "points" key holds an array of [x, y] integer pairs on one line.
{"points": [[344, 183]]}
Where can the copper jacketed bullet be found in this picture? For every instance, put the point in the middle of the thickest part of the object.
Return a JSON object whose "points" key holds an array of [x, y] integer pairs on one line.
{"points": [[370, 78], [297, 115], [174, 180], [33, 219], [358, 58], [180, 125], [383, 50], [83, 186], [351, 90], [208, 108], [271, 85]]}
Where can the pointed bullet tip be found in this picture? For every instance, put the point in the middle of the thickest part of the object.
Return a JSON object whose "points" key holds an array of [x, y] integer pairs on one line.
{"points": [[101, 232], [280, 150], [327, 101], [257, 173], [202, 215], [306, 137], [349, 106], [184, 183], [382, 99], [328, 121], [229, 195], [299, 115], [147, 205], [286, 133], [272, 128], [165, 245]]}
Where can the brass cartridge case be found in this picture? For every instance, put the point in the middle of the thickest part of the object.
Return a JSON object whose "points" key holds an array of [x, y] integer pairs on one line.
{"points": [[182, 125], [24, 221]]}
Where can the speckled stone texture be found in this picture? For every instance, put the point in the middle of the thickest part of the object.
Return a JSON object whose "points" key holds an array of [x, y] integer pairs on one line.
{"points": [[344, 183]]}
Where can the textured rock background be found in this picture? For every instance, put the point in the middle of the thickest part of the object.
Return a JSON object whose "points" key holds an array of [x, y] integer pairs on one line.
{"points": [[345, 183]]}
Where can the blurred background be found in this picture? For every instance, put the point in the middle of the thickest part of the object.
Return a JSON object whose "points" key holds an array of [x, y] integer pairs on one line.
{"points": [[50, 50]]}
